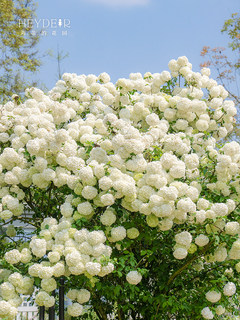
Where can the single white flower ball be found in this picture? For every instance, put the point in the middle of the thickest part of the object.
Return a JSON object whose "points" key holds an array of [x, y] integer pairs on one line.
{"points": [[207, 313], [134, 277], [213, 296], [75, 310], [229, 289]]}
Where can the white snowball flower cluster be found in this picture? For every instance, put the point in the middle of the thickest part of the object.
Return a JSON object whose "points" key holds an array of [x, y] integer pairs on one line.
{"points": [[15, 256], [213, 296], [81, 296], [75, 309], [70, 251], [183, 242], [105, 154], [132, 233], [201, 240], [10, 290], [229, 289], [220, 310], [82, 251], [108, 217], [7, 310], [118, 234], [232, 228], [207, 313], [49, 285], [39, 247], [44, 299], [134, 277], [11, 231]]}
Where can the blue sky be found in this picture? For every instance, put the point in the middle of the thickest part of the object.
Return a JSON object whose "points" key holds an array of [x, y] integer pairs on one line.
{"points": [[124, 36]]}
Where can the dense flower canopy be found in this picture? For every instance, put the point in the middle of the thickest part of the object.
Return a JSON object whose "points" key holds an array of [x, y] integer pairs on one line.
{"points": [[101, 166]]}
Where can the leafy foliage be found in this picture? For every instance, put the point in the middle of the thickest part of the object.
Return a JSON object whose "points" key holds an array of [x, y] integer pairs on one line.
{"points": [[17, 46]]}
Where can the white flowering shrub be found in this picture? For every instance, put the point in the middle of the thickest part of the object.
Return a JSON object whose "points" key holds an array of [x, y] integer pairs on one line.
{"points": [[134, 197]]}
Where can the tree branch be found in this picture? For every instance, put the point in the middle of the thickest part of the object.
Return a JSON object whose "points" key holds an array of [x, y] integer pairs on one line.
{"points": [[49, 196], [185, 266], [119, 314]]}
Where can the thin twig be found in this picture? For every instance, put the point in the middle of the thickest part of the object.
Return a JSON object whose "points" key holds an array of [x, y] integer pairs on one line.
{"points": [[185, 266], [49, 196]]}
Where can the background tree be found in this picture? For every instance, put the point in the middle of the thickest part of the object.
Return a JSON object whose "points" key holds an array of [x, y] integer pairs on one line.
{"points": [[19, 56], [232, 28], [227, 64], [59, 57]]}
